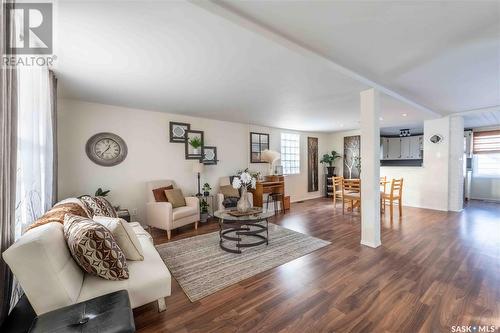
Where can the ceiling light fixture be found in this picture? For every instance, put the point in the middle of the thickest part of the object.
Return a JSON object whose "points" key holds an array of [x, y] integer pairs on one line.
{"points": [[405, 114], [404, 132]]}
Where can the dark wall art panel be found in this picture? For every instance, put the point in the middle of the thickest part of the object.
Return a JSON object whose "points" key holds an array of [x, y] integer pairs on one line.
{"points": [[352, 156], [312, 164]]}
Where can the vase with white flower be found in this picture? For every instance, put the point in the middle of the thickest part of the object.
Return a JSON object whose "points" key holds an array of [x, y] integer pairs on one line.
{"points": [[244, 181]]}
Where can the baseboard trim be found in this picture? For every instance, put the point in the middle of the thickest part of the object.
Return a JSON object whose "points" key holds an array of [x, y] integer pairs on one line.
{"points": [[485, 199], [371, 244], [308, 198]]}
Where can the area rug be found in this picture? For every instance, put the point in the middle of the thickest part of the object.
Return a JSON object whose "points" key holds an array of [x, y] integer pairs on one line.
{"points": [[202, 268]]}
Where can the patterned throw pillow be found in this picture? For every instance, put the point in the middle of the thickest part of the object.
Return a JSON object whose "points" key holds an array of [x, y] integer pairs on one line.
{"points": [[94, 248], [98, 206], [57, 213]]}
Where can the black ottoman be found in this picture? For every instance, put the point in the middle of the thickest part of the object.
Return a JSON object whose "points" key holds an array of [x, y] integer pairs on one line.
{"points": [[110, 313]]}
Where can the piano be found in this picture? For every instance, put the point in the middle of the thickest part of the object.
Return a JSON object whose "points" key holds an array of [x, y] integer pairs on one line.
{"points": [[271, 184]]}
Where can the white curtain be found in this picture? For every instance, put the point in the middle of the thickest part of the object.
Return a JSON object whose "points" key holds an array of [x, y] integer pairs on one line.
{"points": [[35, 192], [35, 148]]}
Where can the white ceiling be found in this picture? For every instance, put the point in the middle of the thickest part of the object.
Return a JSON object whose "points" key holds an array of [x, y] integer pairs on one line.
{"points": [[483, 118], [178, 57], [442, 54]]}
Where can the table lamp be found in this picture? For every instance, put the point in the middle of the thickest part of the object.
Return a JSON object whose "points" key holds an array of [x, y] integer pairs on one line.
{"points": [[198, 169]]}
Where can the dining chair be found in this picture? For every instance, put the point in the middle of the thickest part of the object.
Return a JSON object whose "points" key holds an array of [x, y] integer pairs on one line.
{"points": [[383, 184], [395, 194], [351, 192], [337, 182]]}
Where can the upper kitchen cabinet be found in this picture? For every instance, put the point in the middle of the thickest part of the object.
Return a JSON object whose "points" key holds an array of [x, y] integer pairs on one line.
{"points": [[402, 149]]}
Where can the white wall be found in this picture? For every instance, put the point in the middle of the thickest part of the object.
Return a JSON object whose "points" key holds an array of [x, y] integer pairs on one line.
{"points": [[426, 186], [485, 188], [151, 156]]}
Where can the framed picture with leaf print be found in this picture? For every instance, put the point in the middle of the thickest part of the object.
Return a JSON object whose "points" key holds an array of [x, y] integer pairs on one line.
{"points": [[194, 145]]}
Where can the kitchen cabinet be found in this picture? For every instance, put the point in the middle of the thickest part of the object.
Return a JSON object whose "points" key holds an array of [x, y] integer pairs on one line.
{"points": [[401, 148], [394, 149], [384, 146], [405, 148], [416, 143], [468, 144]]}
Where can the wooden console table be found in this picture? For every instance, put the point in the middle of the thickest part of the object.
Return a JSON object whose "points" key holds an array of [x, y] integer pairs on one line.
{"points": [[271, 184]]}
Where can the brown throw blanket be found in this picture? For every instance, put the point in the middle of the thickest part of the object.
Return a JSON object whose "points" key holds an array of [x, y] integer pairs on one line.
{"points": [[57, 213]]}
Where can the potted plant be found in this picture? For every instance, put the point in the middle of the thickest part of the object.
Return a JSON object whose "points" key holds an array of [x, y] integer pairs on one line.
{"points": [[206, 189], [196, 144], [203, 210], [329, 159], [101, 193]]}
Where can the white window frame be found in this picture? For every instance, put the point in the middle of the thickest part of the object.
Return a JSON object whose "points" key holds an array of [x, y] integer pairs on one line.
{"points": [[290, 153], [487, 172]]}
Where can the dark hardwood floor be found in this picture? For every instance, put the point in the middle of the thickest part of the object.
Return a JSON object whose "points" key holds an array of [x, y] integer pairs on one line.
{"points": [[433, 270]]}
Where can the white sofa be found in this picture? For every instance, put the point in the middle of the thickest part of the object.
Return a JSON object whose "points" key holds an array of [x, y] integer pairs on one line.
{"points": [[51, 279], [220, 197], [161, 215]]}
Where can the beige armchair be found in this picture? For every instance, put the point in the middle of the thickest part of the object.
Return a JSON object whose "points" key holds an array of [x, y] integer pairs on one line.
{"points": [[163, 216], [220, 197]]}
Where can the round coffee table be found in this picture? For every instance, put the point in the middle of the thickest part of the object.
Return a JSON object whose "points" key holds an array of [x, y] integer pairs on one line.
{"points": [[238, 229]]}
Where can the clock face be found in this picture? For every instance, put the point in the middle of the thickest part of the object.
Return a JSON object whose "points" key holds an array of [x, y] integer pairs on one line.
{"points": [[106, 149]]}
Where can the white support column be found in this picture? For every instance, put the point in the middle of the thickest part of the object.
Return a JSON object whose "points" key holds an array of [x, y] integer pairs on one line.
{"points": [[370, 168]]}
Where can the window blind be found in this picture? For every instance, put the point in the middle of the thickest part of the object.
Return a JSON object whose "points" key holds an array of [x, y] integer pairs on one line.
{"points": [[487, 142]]}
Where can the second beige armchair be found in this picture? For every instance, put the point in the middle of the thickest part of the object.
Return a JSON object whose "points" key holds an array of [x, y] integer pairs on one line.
{"points": [[220, 197], [163, 216]]}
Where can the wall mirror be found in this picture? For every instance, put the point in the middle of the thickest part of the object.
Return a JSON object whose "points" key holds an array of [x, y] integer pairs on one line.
{"points": [[258, 143], [436, 138]]}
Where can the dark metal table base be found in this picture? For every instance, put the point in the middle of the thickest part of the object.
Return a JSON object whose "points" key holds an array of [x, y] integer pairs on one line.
{"points": [[234, 230]]}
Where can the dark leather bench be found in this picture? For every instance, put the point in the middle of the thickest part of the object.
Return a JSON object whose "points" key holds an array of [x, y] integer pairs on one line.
{"points": [[110, 313]]}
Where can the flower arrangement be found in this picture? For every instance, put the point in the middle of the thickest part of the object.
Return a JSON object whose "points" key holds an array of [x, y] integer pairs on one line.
{"points": [[244, 180]]}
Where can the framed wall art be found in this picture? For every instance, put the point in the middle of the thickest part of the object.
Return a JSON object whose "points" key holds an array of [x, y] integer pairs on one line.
{"points": [[209, 155], [352, 156], [178, 132], [193, 145], [312, 164]]}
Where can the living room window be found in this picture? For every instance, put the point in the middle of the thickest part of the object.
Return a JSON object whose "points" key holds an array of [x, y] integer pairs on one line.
{"points": [[487, 154], [487, 165], [290, 153]]}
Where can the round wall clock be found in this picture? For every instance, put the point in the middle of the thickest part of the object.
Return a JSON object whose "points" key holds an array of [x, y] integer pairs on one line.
{"points": [[106, 149]]}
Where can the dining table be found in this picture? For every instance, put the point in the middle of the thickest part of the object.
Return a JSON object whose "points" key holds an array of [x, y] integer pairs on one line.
{"points": [[357, 202]]}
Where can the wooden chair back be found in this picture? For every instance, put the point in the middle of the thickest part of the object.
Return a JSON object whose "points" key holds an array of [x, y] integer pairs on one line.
{"points": [[396, 188], [337, 183], [383, 183], [351, 185]]}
